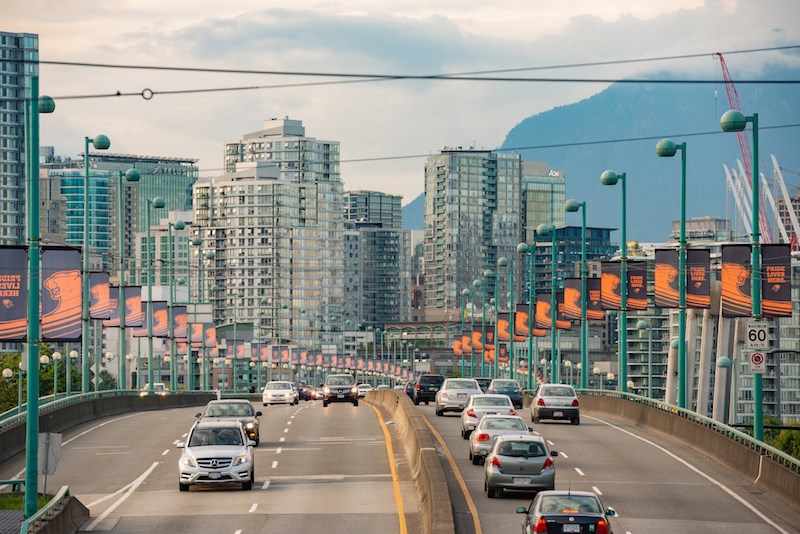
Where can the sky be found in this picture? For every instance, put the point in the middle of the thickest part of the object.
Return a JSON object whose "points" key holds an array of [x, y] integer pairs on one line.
{"points": [[386, 120]]}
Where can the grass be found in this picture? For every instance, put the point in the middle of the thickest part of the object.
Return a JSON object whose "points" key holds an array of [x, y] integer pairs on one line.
{"points": [[16, 501]]}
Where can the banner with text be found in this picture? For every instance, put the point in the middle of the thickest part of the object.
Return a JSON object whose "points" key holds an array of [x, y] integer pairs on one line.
{"points": [[13, 293], [62, 302], [776, 281], [735, 273]]}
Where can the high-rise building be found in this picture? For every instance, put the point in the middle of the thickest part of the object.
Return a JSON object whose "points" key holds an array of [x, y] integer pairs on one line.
{"points": [[276, 229], [19, 56], [472, 218], [543, 197], [373, 207], [784, 213]]}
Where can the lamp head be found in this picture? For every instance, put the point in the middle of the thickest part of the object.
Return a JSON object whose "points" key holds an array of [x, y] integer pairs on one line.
{"points": [[44, 360], [132, 175], [502, 262], [158, 202], [46, 104], [466, 292], [7, 373], [674, 344], [642, 324], [724, 362], [544, 229], [73, 354], [488, 273], [522, 248], [666, 148], [210, 255], [733, 120], [196, 241], [56, 355], [609, 178], [477, 283], [572, 205], [180, 225], [264, 301], [101, 142]]}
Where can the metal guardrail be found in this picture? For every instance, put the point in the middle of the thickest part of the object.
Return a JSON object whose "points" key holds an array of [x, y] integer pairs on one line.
{"points": [[58, 500], [736, 435]]}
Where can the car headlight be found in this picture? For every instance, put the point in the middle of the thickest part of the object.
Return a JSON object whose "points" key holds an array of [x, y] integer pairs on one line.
{"points": [[187, 460], [354, 389], [239, 460], [249, 426], [326, 390]]}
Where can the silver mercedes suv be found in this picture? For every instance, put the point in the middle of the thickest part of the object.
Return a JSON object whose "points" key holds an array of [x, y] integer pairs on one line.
{"points": [[216, 452]]}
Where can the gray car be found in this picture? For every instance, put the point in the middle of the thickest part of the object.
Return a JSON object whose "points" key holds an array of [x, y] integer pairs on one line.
{"points": [[454, 394], [480, 405], [490, 428], [556, 401], [216, 452], [519, 463]]}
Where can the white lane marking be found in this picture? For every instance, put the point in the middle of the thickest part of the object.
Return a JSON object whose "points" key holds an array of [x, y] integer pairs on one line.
{"points": [[292, 417], [184, 435], [132, 487], [550, 443], [278, 450], [285, 430], [253, 508], [266, 485], [275, 464], [282, 440], [111, 453], [70, 440], [109, 496], [289, 423], [166, 452], [237, 531], [579, 472], [714, 481], [596, 490], [101, 447], [564, 454], [177, 441]]}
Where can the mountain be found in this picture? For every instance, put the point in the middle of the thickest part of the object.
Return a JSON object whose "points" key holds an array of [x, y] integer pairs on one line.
{"points": [[414, 214], [682, 112]]}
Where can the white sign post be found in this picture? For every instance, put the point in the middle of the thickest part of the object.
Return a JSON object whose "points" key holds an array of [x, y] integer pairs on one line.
{"points": [[758, 363], [757, 336]]}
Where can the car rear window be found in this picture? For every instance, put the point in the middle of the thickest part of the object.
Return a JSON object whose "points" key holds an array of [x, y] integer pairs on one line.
{"points": [[520, 449], [569, 504], [433, 379], [558, 392], [461, 384], [505, 424], [505, 384], [491, 401]]}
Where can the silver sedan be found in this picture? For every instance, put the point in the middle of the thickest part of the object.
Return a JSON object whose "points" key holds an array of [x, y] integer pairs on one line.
{"points": [[485, 404], [454, 394], [519, 463], [490, 428]]}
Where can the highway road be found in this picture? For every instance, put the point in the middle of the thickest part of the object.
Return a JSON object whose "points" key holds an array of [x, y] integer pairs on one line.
{"points": [[317, 470], [328, 470]]}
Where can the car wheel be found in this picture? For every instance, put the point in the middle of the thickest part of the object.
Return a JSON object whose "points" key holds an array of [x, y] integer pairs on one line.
{"points": [[324, 404], [247, 486], [491, 491], [439, 412], [535, 419], [265, 404], [416, 401], [576, 421], [355, 402], [427, 402], [257, 440], [183, 487], [465, 433], [476, 460]]}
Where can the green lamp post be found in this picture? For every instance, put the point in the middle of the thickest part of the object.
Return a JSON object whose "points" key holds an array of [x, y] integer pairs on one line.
{"points": [[476, 284], [465, 294], [100, 142], [735, 121], [544, 229], [503, 262], [572, 206], [131, 175], [523, 248], [643, 325], [487, 274], [611, 178], [156, 203], [173, 360], [666, 148]]}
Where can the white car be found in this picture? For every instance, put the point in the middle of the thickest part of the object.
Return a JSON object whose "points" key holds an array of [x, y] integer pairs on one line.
{"points": [[556, 401], [216, 452], [482, 438], [480, 405], [363, 388], [455, 393], [278, 392], [159, 388]]}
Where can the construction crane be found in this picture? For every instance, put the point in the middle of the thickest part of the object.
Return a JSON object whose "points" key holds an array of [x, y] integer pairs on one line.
{"points": [[744, 145]]}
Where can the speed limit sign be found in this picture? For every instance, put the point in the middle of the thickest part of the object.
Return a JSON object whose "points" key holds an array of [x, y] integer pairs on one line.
{"points": [[757, 336], [758, 363]]}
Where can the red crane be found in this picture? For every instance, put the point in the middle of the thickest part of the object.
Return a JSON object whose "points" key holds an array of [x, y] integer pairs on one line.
{"points": [[744, 145]]}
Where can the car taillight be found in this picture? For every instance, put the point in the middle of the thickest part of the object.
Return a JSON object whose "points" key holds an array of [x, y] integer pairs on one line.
{"points": [[547, 463], [540, 526], [575, 402], [540, 402], [471, 413], [519, 390], [512, 411], [482, 437], [417, 387], [496, 462], [490, 390], [602, 527]]}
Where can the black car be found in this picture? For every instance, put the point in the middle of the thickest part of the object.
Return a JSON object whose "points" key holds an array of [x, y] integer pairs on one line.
{"points": [[305, 391], [409, 389], [426, 388], [484, 383], [504, 386], [234, 409], [566, 511], [340, 388]]}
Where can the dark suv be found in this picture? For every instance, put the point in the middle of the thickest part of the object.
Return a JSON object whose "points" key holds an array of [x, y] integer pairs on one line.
{"points": [[340, 388], [426, 388]]}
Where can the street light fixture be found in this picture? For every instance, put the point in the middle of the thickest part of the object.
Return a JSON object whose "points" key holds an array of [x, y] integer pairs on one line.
{"points": [[735, 121], [643, 325], [523, 248], [157, 203], [173, 364], [131, 175], [487, 274], [611, 178], [476, 284], [666, 148], [100, 142], [465, 294], [56, 359], [572, 206], [73, 355], [504, 262], [544, 229]]}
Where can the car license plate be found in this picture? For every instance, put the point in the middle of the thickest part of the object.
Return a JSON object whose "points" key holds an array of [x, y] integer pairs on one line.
{"points": [[561, 414], [213, 476], [570, 528], [523, 480], [339, 396], [433, 389], [461, 395]]}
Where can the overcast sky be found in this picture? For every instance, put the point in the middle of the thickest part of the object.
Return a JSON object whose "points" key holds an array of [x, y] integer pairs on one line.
{"points": [[370, 120]]}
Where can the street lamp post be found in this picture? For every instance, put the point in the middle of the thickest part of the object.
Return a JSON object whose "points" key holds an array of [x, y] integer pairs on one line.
{"points": [[100, 142], [465, 293], [56, 358], [501, 262], [573, 206], [568, 365], [735, 121], [523, 248], [487, 274], [173, 360], [237, 296], [643, 325], [555, 370], [73, 355], [9, 374], [476, 284], [157, 203], [611, 178], [131, 175], [667, 149]]}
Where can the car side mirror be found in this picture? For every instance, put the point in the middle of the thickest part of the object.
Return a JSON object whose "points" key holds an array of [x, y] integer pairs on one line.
{"points": [[553, 453], [530, 429], [258, 414], [522, 510], [251, 443], [199, 414], [611, 512]]}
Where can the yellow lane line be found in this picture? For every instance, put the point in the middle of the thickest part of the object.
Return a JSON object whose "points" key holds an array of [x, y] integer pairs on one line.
{"points": [[398, 498], [470, 503]]}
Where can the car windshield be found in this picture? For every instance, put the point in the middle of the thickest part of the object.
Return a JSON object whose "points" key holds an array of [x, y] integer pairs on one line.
{"points": [[520, 449], [340, 381], [490, 401], [558, 392], [202, 437], [229, 410], [279, 385], [570, 504], [501, 423], [505, 384], [461, 384]]}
